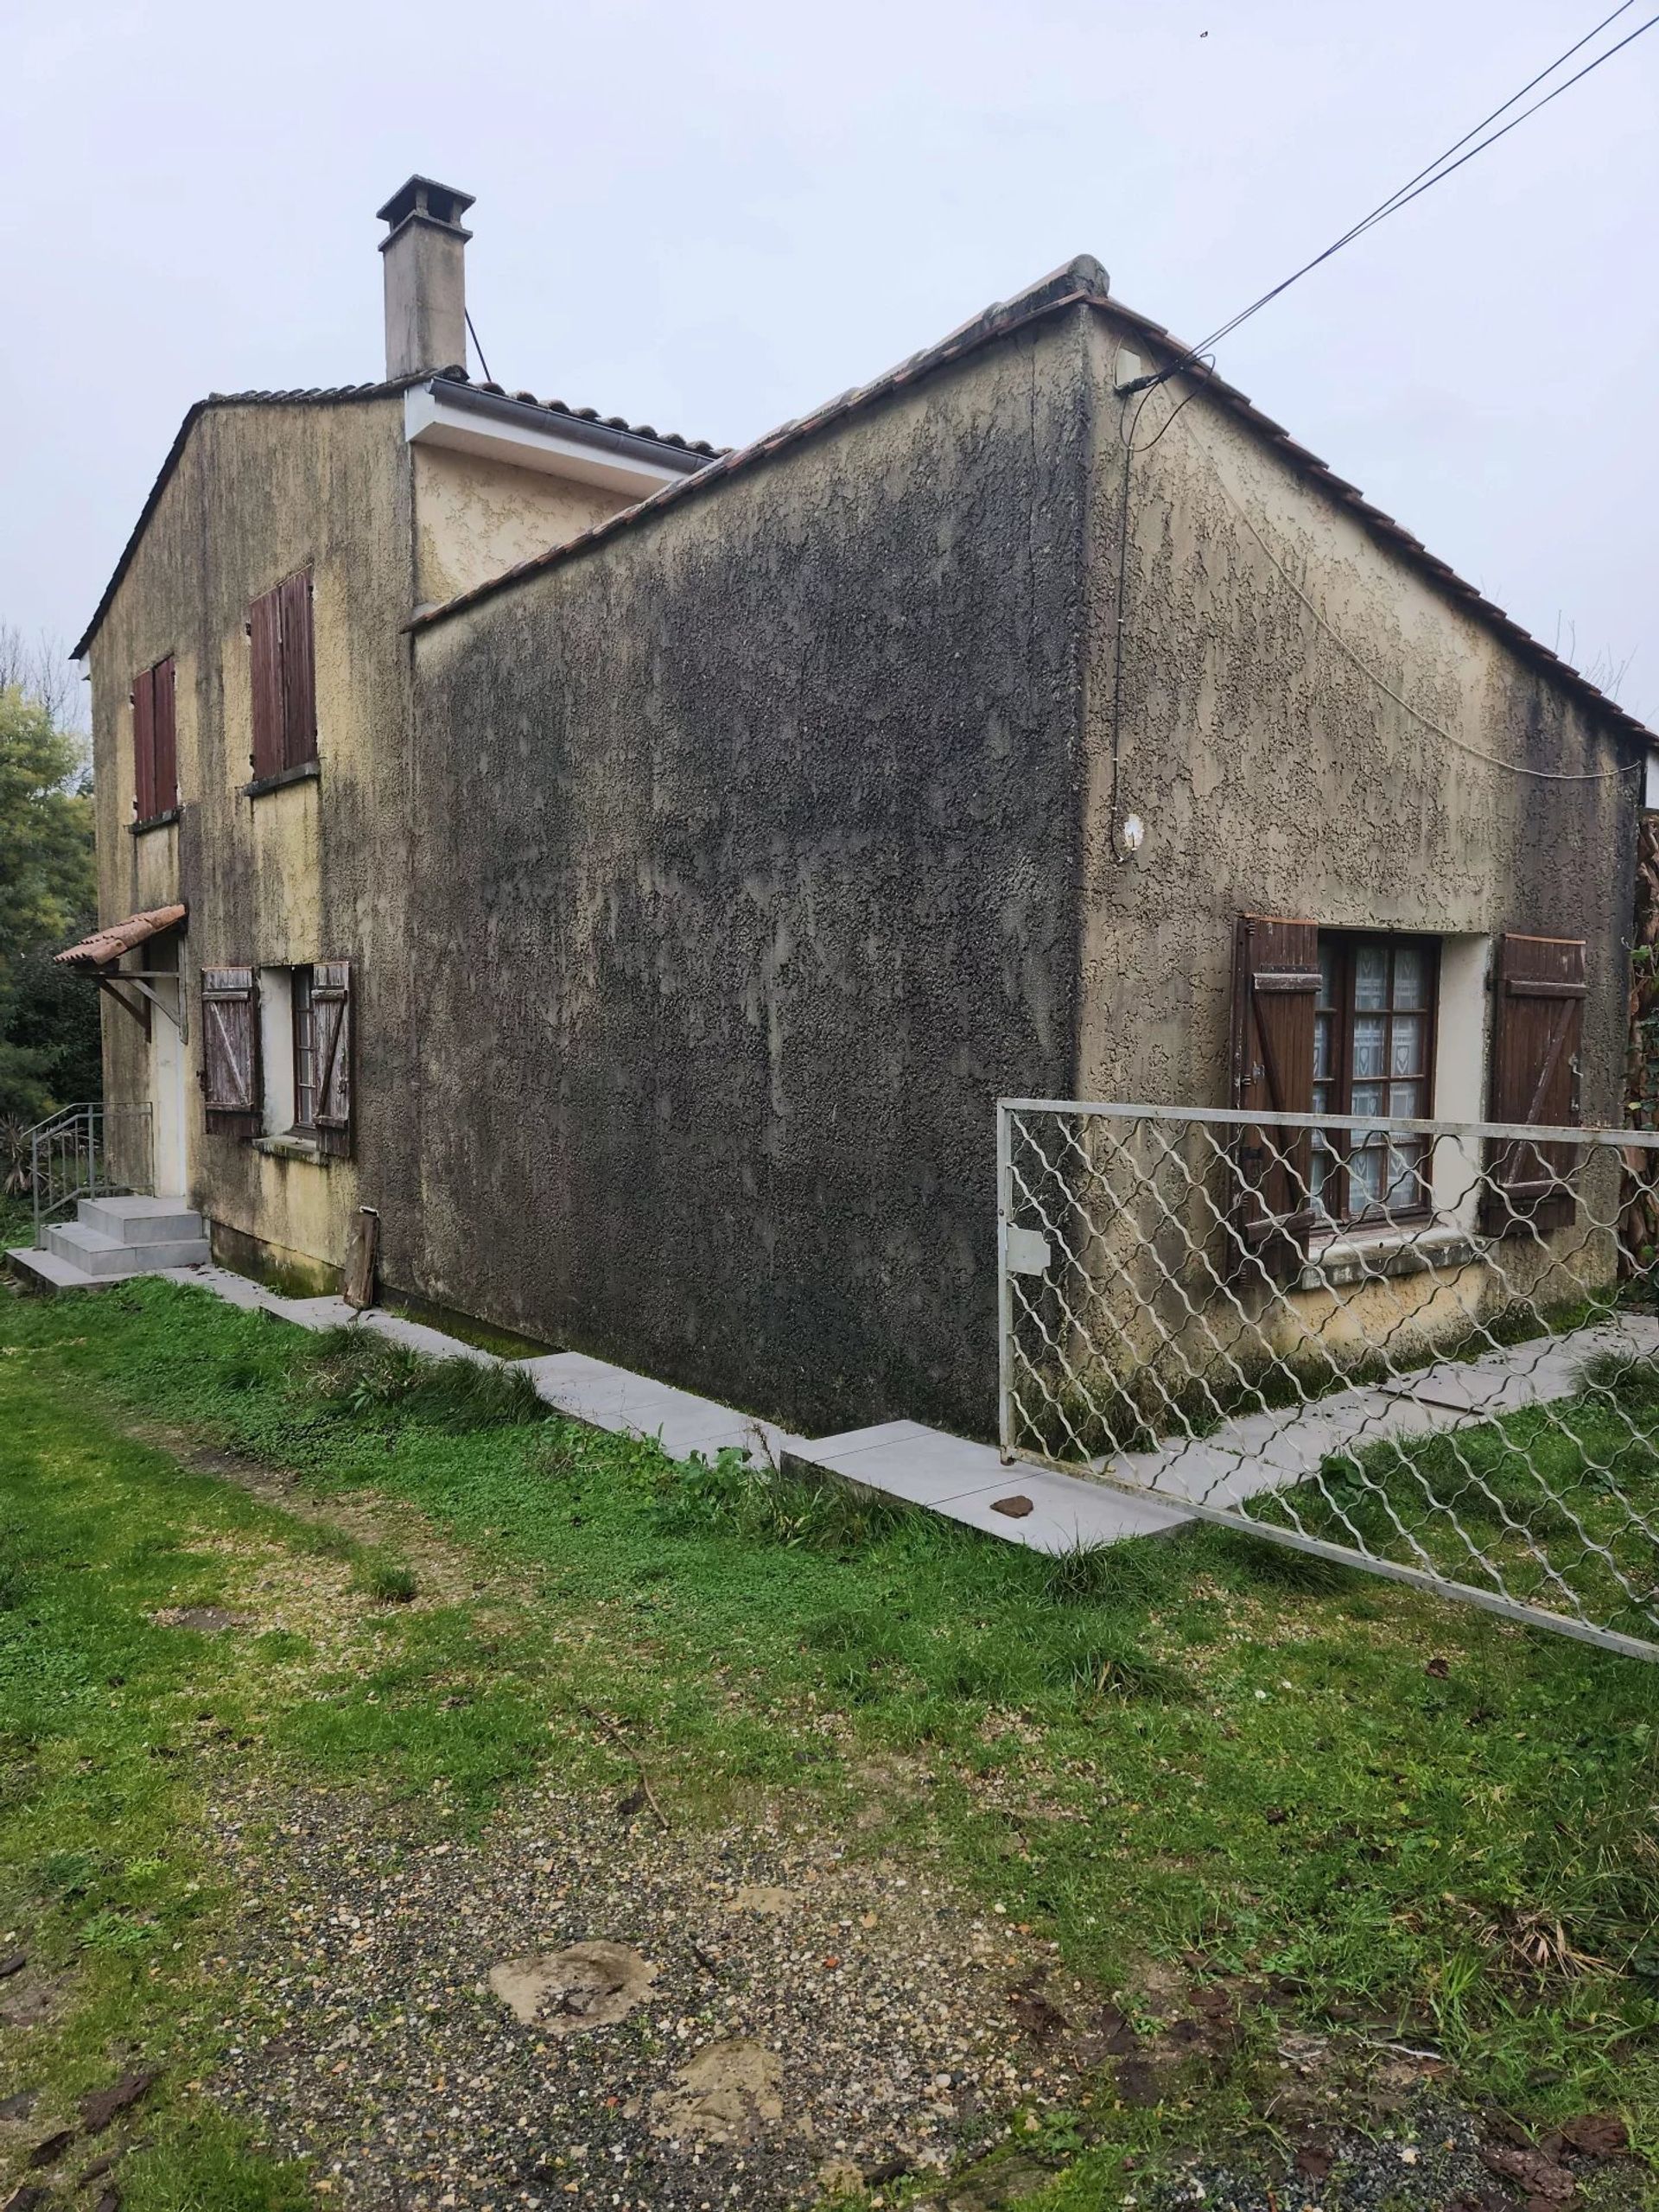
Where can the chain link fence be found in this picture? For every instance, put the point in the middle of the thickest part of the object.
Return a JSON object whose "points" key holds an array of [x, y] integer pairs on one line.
{"points": [[1428, 1348]]}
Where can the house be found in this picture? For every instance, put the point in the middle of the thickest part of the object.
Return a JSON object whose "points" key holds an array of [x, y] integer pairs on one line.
{"points": [[636, 872]]}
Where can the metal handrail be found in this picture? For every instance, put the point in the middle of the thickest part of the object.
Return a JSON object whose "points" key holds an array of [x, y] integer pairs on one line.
{"points": [[69, 1156]]}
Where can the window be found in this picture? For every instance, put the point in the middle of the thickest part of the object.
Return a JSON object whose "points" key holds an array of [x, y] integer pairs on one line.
{"points": [[305, 1054], [1373, 1053], [283, 669], [305, 1050], [155, 746]]}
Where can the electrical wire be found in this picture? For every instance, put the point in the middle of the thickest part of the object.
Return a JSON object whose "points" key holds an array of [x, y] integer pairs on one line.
{"points": [[1426, 179], [477, 348], [1462, 743], [1436, 171]]}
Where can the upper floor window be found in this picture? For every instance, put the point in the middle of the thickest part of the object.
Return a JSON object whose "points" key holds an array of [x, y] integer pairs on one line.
{"points": [[284, 678], [155, 745]]}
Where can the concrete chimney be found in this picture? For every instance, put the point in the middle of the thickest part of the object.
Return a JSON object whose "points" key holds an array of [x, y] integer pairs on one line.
{"points": [[426, 287]]}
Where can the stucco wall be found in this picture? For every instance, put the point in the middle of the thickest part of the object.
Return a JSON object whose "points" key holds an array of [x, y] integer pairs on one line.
{"points": [[474, 517], [1274, 775], [314, 871], [746, 854]]}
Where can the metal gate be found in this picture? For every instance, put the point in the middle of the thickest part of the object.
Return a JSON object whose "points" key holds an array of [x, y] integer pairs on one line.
{"points": [[1429, 1349]]}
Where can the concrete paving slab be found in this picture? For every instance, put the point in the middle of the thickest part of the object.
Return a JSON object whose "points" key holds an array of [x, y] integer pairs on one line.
{"points": [[417, 1337], [615, 1399], [963, 1479], [924, 1467], [1068, 1514], [234, 1289], [46, 1271], [317, 1312], [882, 1432]]}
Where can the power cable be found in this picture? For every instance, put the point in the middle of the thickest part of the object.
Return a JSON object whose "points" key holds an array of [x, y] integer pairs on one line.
{"points": [[1493, 760], [1426, 179], [477, 348], [1438, 170]]}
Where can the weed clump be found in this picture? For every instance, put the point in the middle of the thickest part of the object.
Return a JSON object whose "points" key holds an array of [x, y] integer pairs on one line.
{"points": [[364, 1376], [388, 1583], [1628, 1380], [1083, 1574], [735, 1494]]}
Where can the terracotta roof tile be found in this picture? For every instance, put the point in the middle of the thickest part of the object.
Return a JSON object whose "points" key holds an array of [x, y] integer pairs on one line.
{"points": [[107, 945]]}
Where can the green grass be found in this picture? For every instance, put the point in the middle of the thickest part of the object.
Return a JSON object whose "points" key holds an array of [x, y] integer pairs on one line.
{"points": [[1200, 1744], [1554, 1505]]}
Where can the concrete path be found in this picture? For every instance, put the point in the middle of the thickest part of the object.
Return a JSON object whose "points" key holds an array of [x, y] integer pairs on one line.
{"points": [[1037, 1507], [615, 1398], [1272, 1451]]}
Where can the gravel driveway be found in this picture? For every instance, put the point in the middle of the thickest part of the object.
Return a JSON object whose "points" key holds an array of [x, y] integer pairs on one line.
{"points": [[793, 2019]]}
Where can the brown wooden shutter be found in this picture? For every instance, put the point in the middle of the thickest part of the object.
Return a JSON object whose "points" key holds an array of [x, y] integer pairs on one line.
{"points": [[165, 793], [1276, 991], [331, 1017], [1537, 1041], [143, 745], [264, 634], [230, 1050], [299, 673]]}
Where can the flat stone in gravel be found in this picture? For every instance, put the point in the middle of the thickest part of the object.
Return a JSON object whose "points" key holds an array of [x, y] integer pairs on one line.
{"points": [[584, 1985]]}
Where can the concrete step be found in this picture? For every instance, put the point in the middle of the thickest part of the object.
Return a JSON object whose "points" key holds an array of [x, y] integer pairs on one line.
{"points": [[141, 1221], [96, 1254], [44, 1272]]}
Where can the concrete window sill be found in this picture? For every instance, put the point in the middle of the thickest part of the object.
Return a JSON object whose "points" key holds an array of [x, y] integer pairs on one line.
{"points": [[154, 822], [1368, 1254], [307, 773], [291, 1147]]}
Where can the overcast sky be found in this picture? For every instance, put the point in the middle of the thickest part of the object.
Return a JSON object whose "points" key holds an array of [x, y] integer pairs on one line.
{"points": [[709, 218]]}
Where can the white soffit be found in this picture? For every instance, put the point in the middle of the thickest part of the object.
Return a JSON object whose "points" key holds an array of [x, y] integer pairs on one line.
{"points": [[432, 420]]}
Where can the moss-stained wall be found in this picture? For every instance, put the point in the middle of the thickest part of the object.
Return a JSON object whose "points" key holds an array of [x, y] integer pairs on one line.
{"points": [[746, 855], [317, 870], [1274, 774]]}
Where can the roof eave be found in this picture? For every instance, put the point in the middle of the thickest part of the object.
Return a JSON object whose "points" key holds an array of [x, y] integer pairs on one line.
{"points": [[1081, 282]]}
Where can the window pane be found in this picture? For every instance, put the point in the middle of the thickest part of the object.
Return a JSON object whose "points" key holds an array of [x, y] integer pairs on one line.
{"points": [[1365, 1171], [1322, 1182], [1405, 1101], [305, 1058], [1368, 1098], [1406, 1189], [1370, 1039], [1330, 982], [1406, 1057], [1321, 1047], [1407, 976], [1371, 977]]}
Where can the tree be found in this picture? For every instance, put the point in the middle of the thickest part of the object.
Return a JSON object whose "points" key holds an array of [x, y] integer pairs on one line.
{"points": [[48, 1032]]}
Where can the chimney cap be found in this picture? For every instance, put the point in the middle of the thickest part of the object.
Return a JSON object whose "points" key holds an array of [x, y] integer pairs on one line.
{"points": [[423, 199]]}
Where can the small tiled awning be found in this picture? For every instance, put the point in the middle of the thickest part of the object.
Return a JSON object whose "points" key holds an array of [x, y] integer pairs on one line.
{"points": [[105, 945]]}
